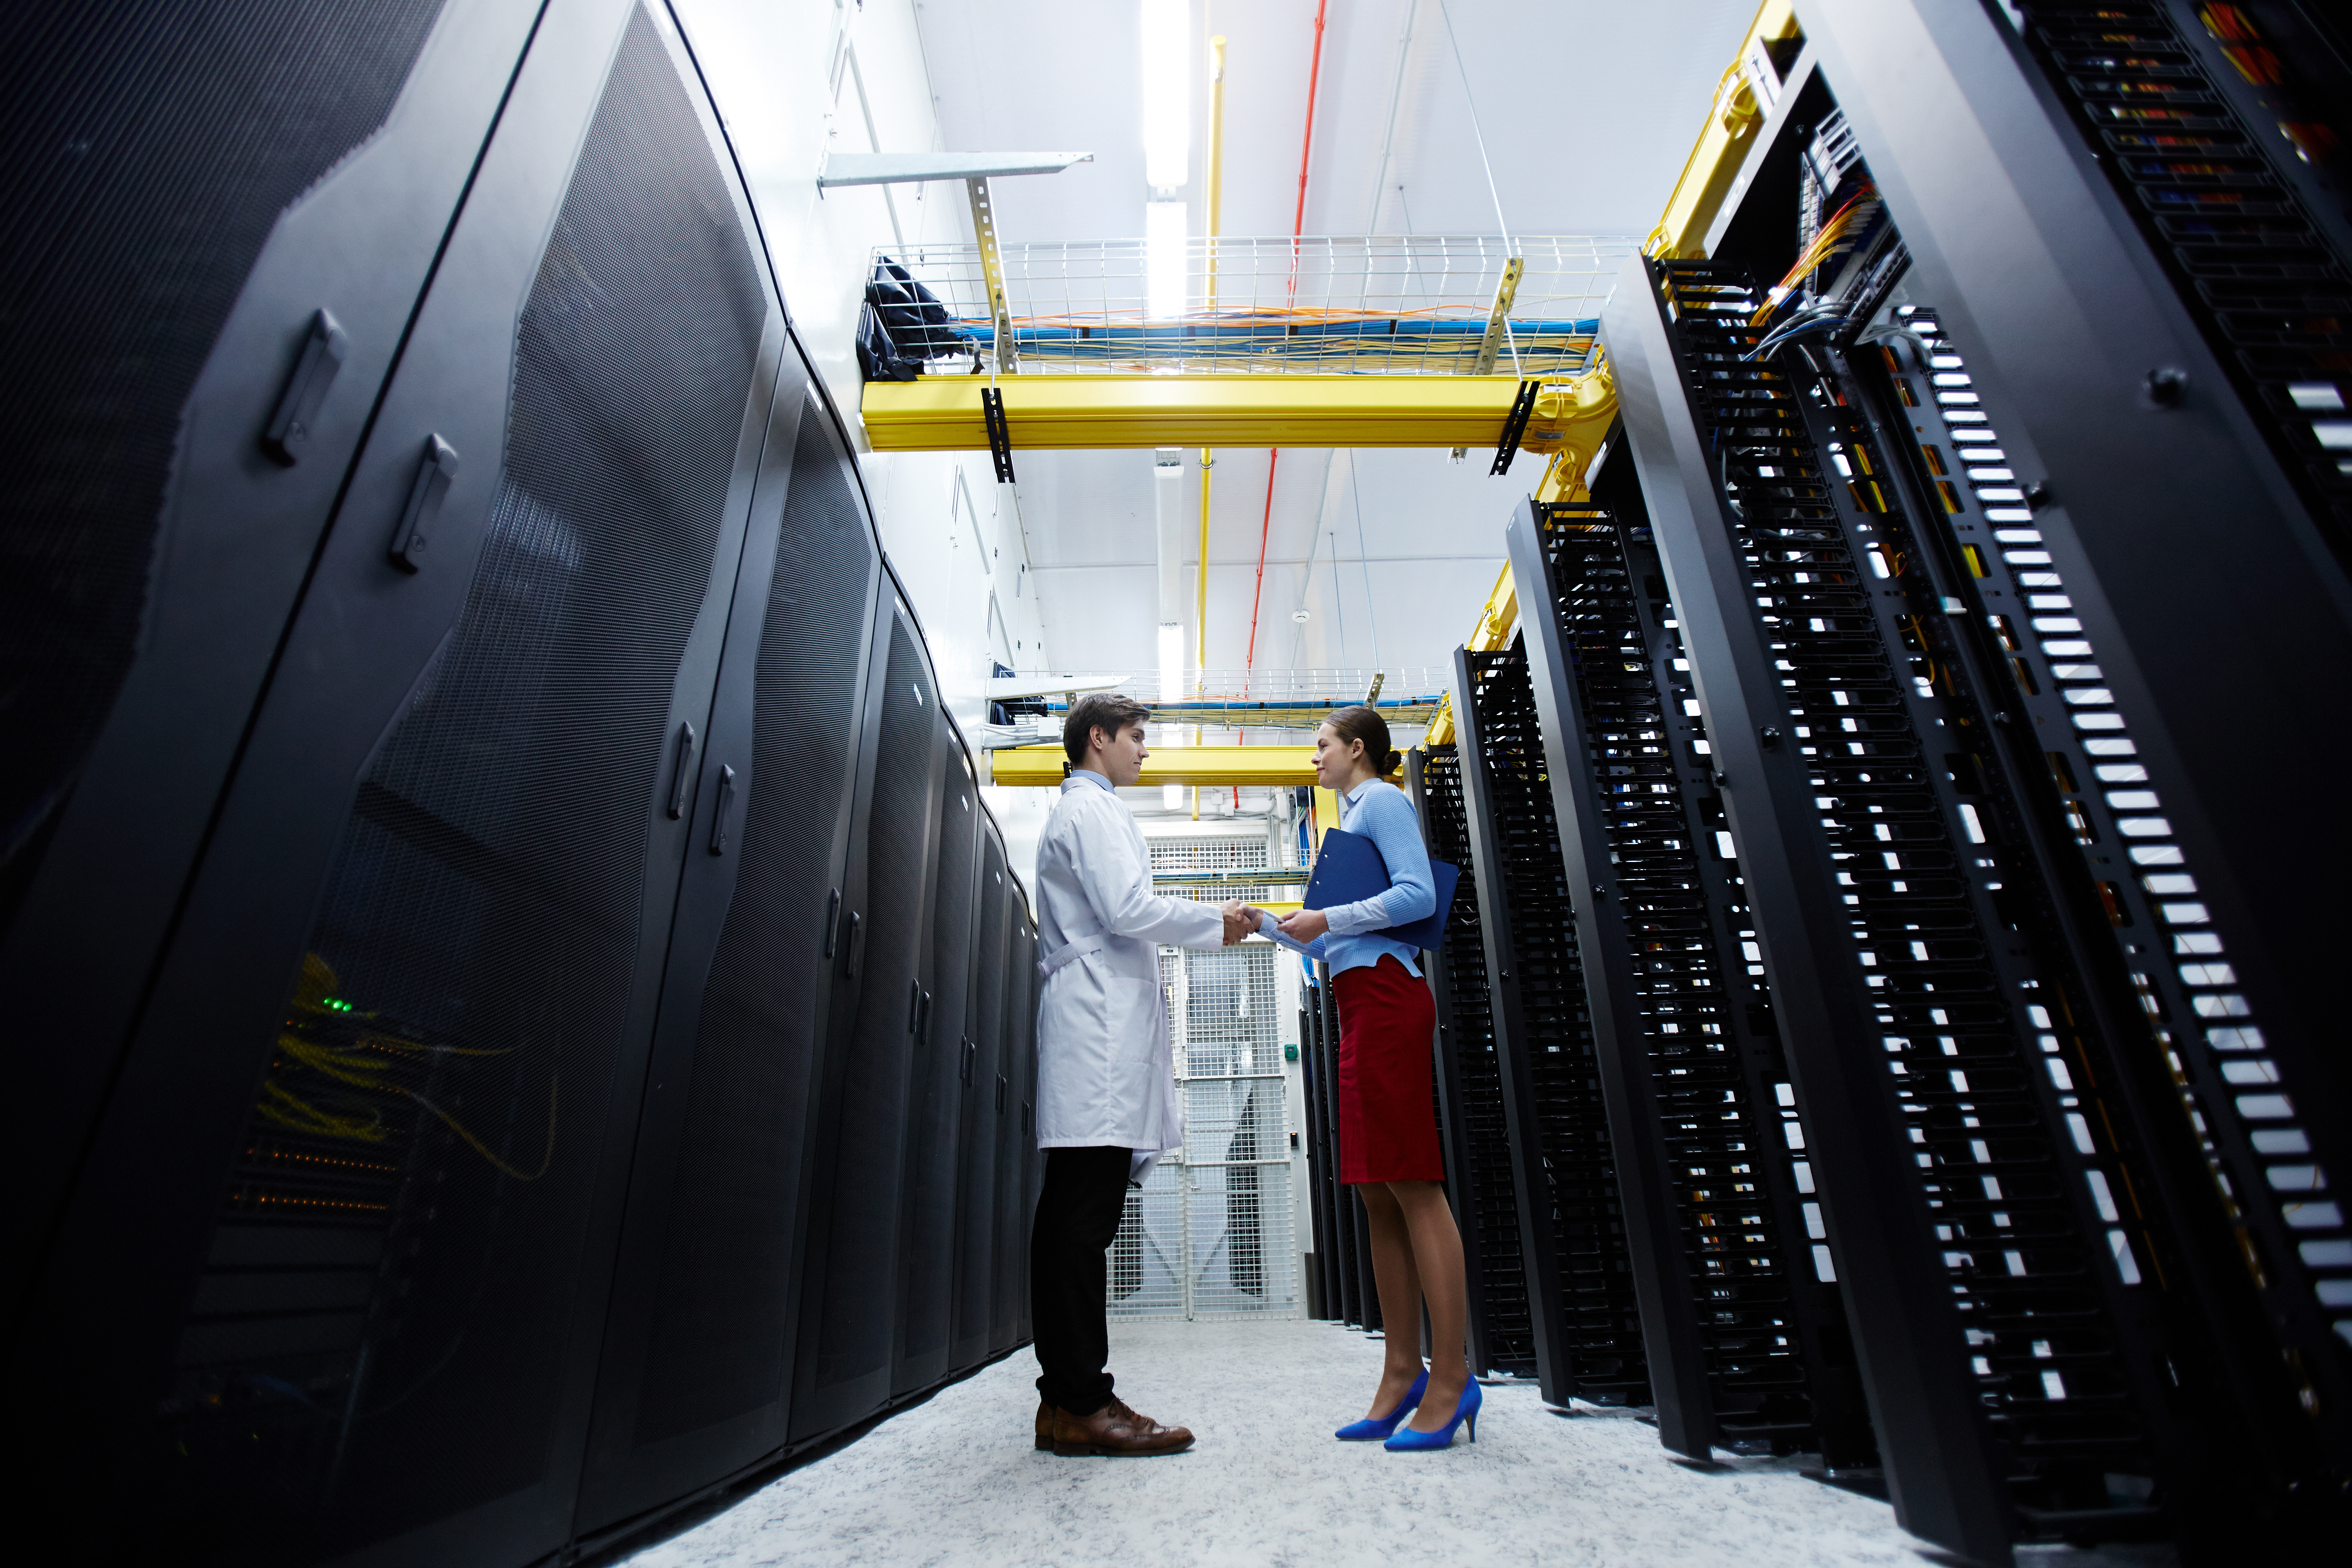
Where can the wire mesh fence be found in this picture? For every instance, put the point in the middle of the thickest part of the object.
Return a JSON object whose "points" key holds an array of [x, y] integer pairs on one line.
{"points": [[1213, 1229], [1405, 304]]}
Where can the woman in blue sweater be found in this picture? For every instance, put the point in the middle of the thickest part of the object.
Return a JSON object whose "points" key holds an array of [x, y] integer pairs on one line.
{"points": [[1388, 1121]]}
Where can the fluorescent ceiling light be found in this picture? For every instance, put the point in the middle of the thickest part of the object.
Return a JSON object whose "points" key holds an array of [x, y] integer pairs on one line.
{"points": [[1167, 92], [1171, 689], [1171, 662], [1163, 261]]}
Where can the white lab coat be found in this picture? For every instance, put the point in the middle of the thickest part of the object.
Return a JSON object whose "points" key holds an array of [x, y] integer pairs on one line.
{"points": [[1105, 1067]]}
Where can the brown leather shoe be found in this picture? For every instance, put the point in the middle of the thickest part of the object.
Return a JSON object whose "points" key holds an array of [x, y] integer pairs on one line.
{"points": [[1116, 1430], [1044, 1425]]}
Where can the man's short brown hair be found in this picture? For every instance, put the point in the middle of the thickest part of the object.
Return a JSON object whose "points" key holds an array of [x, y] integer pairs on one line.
{"points": [[1104, 710]]}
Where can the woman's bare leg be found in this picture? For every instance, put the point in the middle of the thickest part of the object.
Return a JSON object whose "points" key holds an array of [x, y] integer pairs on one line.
{"points": [[1400, 1287], [1437, 1265]]}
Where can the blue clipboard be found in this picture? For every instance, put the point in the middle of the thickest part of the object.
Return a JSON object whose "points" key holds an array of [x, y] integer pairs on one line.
{"points": [[1348, 869]]}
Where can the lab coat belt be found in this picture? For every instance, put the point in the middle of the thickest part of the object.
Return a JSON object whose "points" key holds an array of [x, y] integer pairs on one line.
{"points": [[1068, 954]]}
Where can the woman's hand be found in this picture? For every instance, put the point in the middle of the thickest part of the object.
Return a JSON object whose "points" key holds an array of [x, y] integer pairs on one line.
{"points": [[1305, 925]]}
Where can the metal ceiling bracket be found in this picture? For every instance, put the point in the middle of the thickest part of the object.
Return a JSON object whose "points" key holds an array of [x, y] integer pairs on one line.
{"points": [[1523, 406], [1000, 438], [991, 266], [1499, 317]]}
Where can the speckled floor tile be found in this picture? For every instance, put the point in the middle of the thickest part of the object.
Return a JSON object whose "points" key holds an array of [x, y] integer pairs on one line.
{"points": [[955, 1481]]}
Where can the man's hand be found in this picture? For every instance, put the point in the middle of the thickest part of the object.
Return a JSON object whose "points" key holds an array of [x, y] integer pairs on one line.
{"points": [[1305, 925], [1240, 921]]}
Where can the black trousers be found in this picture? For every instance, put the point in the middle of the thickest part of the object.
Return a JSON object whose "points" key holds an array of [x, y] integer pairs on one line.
{"points": [[1078, 1216]]}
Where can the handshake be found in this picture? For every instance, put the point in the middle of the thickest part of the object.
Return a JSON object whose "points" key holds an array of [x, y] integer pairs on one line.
{"points": [[1299, 925]]}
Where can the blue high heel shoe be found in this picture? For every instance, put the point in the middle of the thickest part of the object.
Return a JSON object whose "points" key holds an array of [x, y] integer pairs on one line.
{"points": [[1367, 1431], [1410, 1439]]}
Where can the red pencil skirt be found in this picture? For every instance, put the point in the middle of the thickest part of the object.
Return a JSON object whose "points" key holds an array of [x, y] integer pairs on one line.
{"points": [[1388, 1109]]}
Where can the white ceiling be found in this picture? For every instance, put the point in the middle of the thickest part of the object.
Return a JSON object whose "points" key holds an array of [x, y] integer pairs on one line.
{"points": [[1588, 112]]}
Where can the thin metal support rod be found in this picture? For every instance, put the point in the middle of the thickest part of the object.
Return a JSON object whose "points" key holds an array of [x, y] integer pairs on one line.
{"points": [[1629, 1092]]}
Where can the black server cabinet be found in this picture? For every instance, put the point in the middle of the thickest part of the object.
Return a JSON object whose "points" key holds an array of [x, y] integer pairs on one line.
{"points": [[2128, 229], [849, 1275], [1033, 1165], [1999, 1175], [976, 1152], [184, 295], [929, 1215], [1688, 1064], [1583, 1310], [1015, 1081], [336, 1264], [1318, 1252], [1470, 1102], [699, 1352]]}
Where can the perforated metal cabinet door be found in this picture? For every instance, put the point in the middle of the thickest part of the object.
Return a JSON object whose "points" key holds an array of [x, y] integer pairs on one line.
{"points": [[977, 1260], [1017, 1056], [1031, 1164], [336, 1274], [698, 1362], [849, 1290], [230, 173], [928, 1212]]}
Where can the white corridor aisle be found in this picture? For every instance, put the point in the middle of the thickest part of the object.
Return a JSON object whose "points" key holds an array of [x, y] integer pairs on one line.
{"points": [[955, 1481]]}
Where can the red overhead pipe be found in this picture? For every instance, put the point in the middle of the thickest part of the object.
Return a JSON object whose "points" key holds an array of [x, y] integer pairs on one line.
{"points": [[1298, 226]]}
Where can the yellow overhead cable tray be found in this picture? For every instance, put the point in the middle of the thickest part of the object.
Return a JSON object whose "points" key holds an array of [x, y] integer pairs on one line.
{"points": [[1252, 767], [1496, 624], [942, 412], [1725, 140]]}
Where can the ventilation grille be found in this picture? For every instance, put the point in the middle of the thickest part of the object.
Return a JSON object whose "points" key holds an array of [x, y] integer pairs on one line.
{"points": [[928, 1257], [1735, 1153], [1993, 1139], [857, 1276], [2273, 296], [148, 152], [1489, 1206], [421, 1157]]}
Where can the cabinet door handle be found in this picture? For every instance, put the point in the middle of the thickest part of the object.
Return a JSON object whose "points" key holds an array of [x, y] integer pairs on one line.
{"points": [[438, 467], [323, 348], [1000, 1094], [914, 1005], [832, 920], [970, 1054], [679, 778], [849, 941], [725, 805]]}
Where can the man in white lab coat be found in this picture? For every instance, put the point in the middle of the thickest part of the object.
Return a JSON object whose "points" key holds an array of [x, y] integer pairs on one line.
{"points": [[1105, 1070]]}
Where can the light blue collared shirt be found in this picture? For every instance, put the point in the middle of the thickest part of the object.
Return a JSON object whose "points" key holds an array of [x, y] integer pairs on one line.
{"points": [[1379, 811]]}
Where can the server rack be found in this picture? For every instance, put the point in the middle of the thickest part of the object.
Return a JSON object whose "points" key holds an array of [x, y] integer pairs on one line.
{"points": [[1015, 1064], [1323, 1300], [1583, 1316], [695, 1377], [1033, 1163], [928, 1215], [444, 1203], [2090, 320], [977, 1193], [1346, 1278], [850, 1261], [1355, 1222], [305, 224], [1470, 1108], [1691, 1069]]}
